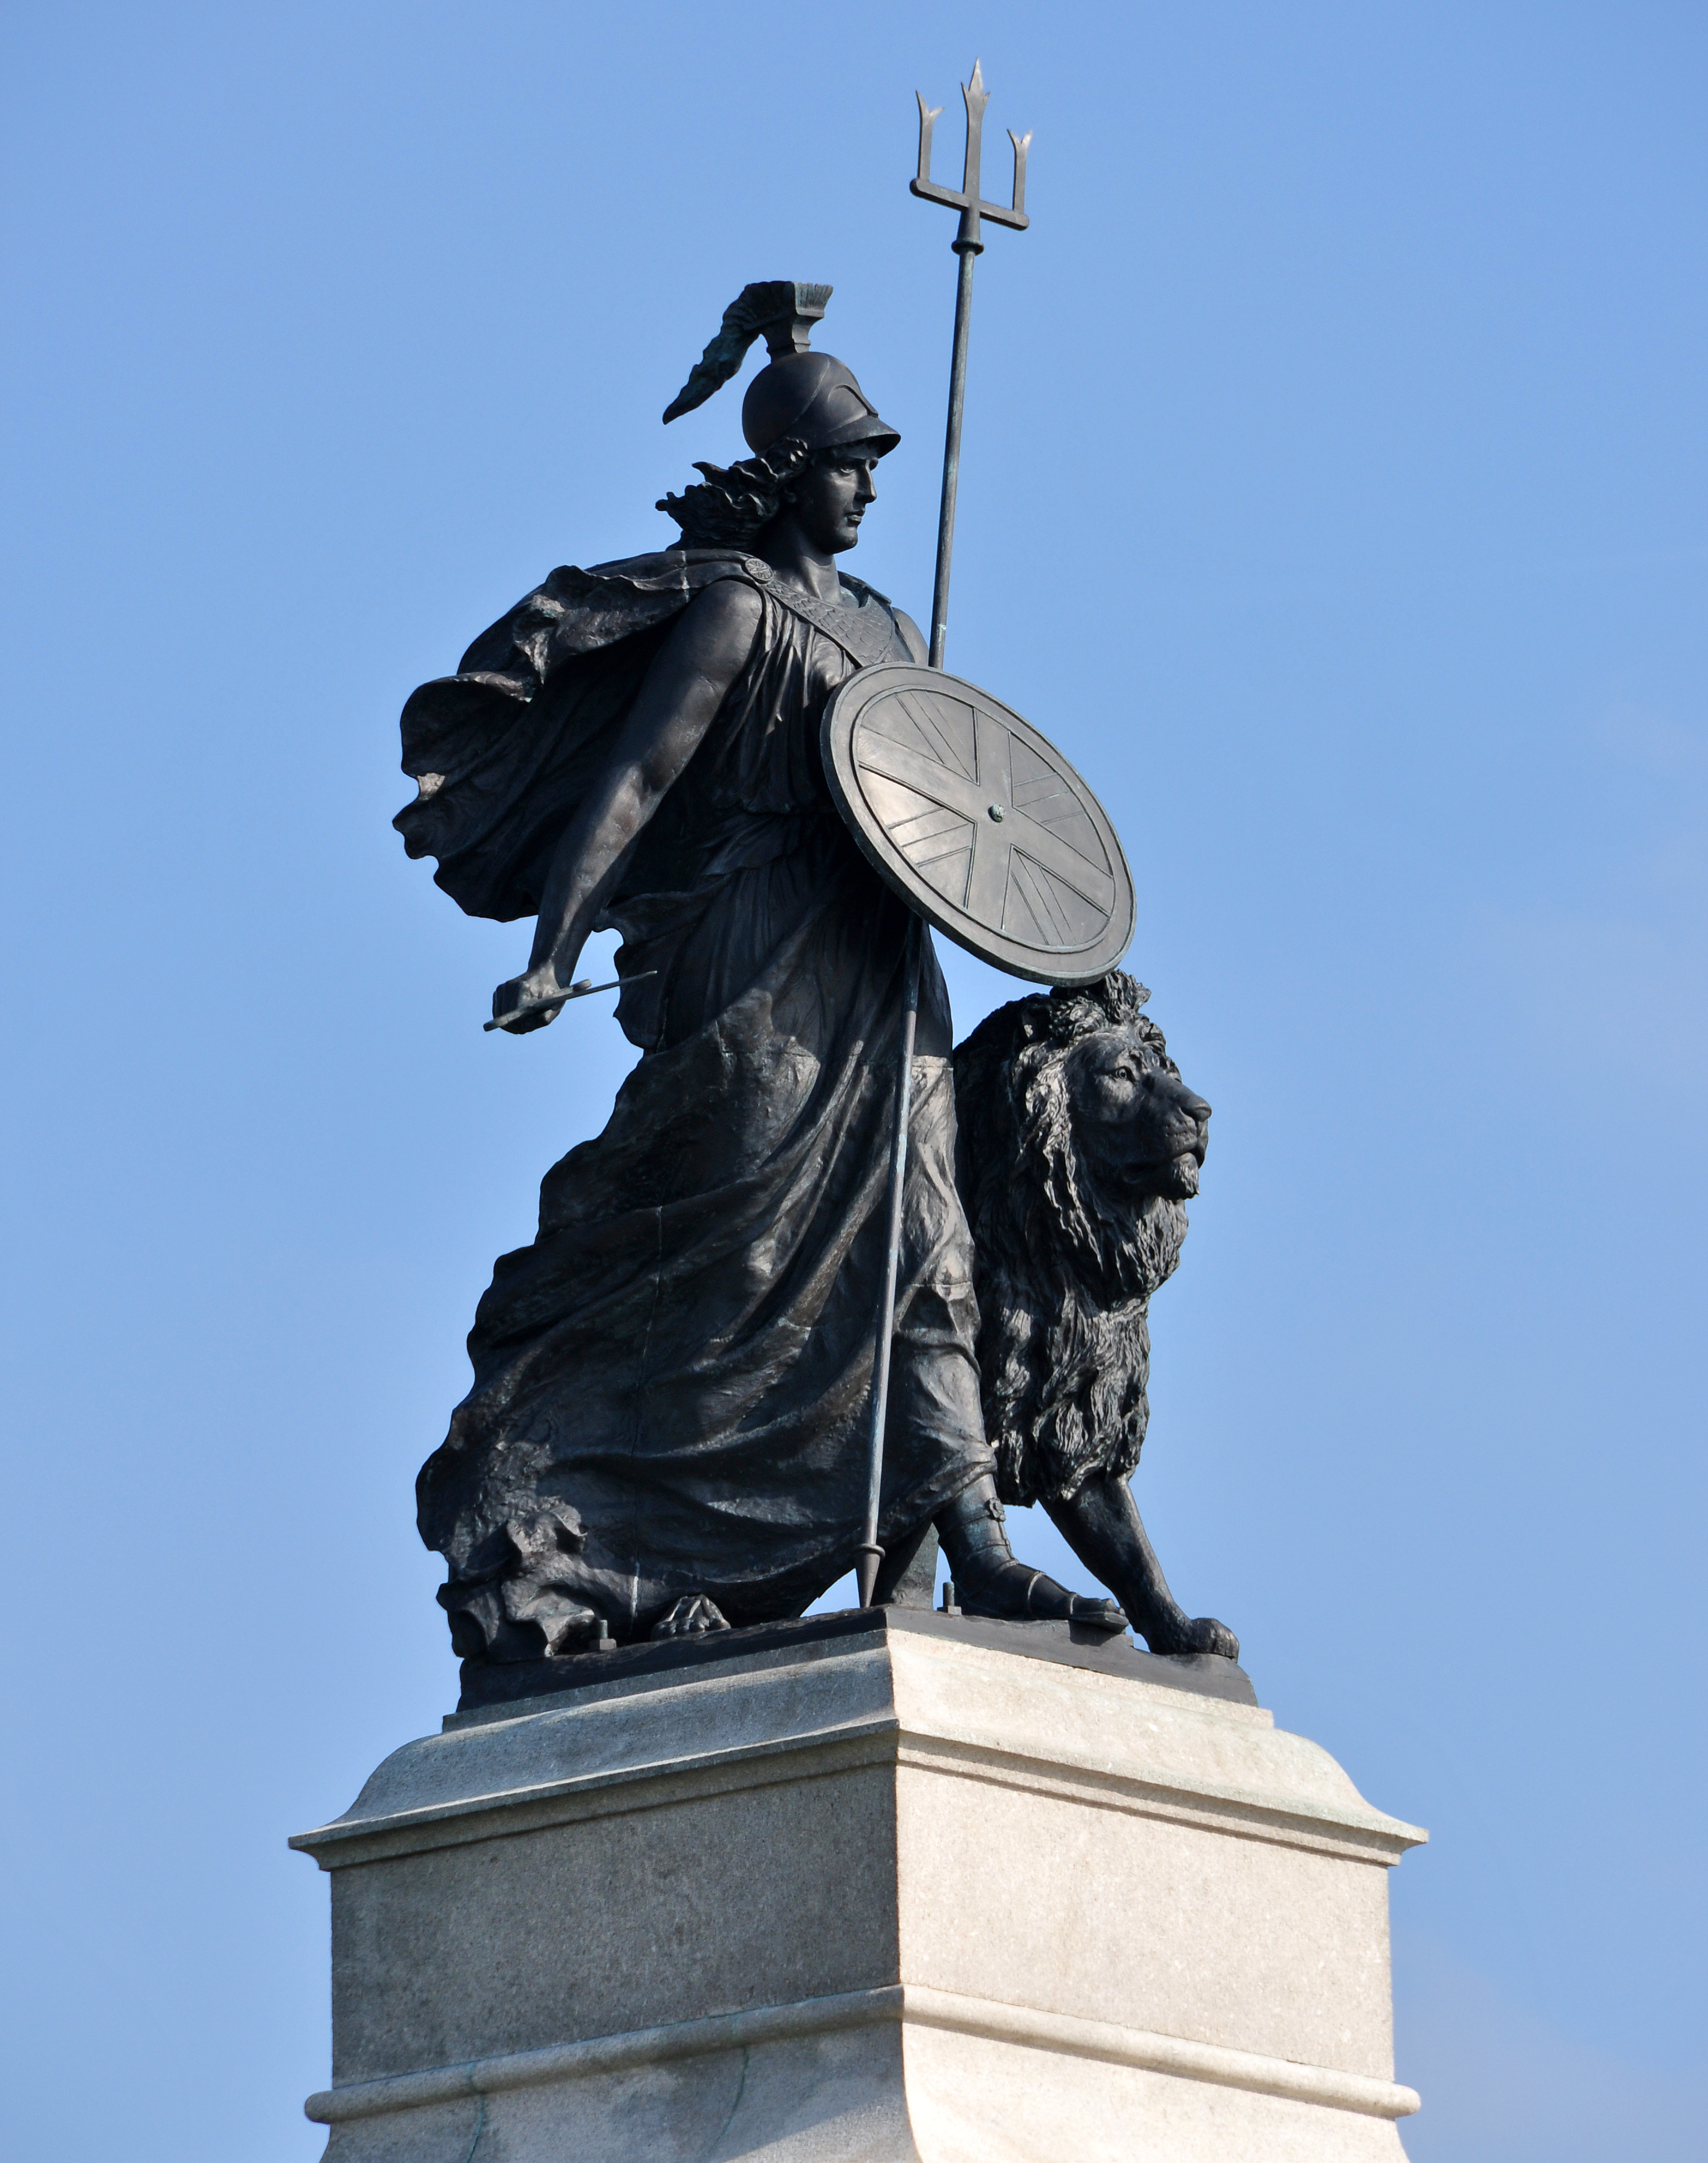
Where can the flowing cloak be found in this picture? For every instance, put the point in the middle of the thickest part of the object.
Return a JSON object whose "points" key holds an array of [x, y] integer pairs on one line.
{"points": [[673, 1381]]}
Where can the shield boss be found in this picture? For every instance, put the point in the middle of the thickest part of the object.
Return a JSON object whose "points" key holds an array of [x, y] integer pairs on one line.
{"points": [[979, 823]]}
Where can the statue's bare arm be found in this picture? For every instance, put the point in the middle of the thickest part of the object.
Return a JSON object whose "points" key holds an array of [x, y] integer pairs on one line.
{"points": [[678, 699], [912, 636]]}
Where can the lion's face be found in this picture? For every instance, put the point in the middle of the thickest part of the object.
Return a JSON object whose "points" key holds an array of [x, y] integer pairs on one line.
{"points": [[1133, 1116]]}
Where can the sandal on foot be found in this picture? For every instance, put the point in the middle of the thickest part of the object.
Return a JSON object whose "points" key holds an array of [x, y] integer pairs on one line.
{"points": [[1009, 1592]]}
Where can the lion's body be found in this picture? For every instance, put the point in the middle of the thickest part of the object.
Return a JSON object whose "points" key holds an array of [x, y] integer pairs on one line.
{"points": [[1076, 1152]]}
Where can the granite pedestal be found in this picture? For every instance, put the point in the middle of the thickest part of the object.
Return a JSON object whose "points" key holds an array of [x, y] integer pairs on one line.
{"points": [[890, 1887]]}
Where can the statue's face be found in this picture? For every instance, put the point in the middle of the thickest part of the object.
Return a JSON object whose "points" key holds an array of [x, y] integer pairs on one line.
{"points": [[829, 498]]}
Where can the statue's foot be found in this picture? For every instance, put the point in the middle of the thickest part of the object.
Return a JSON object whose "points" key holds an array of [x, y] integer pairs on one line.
{"points": [[1180, 1633], [1009, 1592], [691, 1617]]}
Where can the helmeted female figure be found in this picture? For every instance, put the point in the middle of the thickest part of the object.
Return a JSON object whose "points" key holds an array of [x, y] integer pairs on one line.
{"points": [[665, 1430]]}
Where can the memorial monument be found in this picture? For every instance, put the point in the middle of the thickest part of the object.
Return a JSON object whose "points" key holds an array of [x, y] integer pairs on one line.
{"points": [[691, 1872]]}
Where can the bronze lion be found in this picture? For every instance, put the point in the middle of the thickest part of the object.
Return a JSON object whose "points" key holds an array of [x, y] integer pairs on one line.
{"points": [[1080, 1143]]}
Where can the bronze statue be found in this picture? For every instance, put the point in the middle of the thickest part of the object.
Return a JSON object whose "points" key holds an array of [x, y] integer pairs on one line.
{"points": [[742, 1353], [665, 1431]]}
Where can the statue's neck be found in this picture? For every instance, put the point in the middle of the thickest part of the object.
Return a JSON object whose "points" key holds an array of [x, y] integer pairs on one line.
{"points": [[788, 551]]}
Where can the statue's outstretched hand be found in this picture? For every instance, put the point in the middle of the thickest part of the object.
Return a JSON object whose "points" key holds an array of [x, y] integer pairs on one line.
{"points": [[534, 990], [691, 1617]]}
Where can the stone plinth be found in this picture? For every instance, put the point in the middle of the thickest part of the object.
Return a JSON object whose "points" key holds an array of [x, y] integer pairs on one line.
{"points": [[891, 1887]]}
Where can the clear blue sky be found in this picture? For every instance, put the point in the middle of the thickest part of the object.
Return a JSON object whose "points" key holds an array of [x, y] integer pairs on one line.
{"points": [[1334, 493]]}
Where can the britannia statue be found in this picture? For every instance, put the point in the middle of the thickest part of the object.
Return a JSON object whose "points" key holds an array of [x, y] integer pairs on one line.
{"points": [[666, 1431], [742, 1353]]}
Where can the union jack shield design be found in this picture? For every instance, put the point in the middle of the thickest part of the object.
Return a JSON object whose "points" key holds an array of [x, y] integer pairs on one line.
{"points": [[979, 823]]}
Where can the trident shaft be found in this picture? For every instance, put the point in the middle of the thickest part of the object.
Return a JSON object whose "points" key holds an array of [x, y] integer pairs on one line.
{"points": [[967, 244]]}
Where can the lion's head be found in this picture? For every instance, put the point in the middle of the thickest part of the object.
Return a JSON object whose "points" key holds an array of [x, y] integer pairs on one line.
{"points": [[1078, 1144], [1132, 1120]]}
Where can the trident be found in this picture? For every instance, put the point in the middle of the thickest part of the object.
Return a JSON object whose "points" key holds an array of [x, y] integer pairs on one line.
{"points": [[966, 244]]}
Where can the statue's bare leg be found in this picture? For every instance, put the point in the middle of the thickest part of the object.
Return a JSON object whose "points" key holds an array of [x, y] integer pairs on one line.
{"points": [[1102, 1525], [989, 1581]]}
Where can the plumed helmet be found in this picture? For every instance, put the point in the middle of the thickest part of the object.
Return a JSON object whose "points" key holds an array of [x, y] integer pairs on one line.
{"points": [[811, 396]]}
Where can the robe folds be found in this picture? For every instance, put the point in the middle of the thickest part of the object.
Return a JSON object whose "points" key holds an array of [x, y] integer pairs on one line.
{"points": [[672, 1382]]}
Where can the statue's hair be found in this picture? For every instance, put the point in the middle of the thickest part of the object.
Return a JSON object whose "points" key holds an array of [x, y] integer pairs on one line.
{"points": [[1065, 1264], [733, 505]]}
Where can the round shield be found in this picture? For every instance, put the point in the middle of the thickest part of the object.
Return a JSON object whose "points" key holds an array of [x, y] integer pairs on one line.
{"points": [[979, 823]]}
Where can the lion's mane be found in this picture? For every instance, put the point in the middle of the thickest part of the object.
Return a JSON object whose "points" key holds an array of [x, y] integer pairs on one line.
{"points": [[1065, 1259]]}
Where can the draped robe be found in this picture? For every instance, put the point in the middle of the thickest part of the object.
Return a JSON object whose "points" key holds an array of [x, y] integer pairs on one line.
{"points": [[672, 1380]]}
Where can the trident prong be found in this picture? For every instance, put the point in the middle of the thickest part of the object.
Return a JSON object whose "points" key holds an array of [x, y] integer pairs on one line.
{"points": [[928, 114], [1021, 144], [975, 97]]}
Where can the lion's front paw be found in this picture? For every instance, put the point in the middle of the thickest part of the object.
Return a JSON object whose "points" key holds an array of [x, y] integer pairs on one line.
{"points": [[690, 1617], [1181, 1634]]}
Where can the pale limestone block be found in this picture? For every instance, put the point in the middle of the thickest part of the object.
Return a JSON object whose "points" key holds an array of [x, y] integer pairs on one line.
{"points": [[974, 2100], [895, 1898]]}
